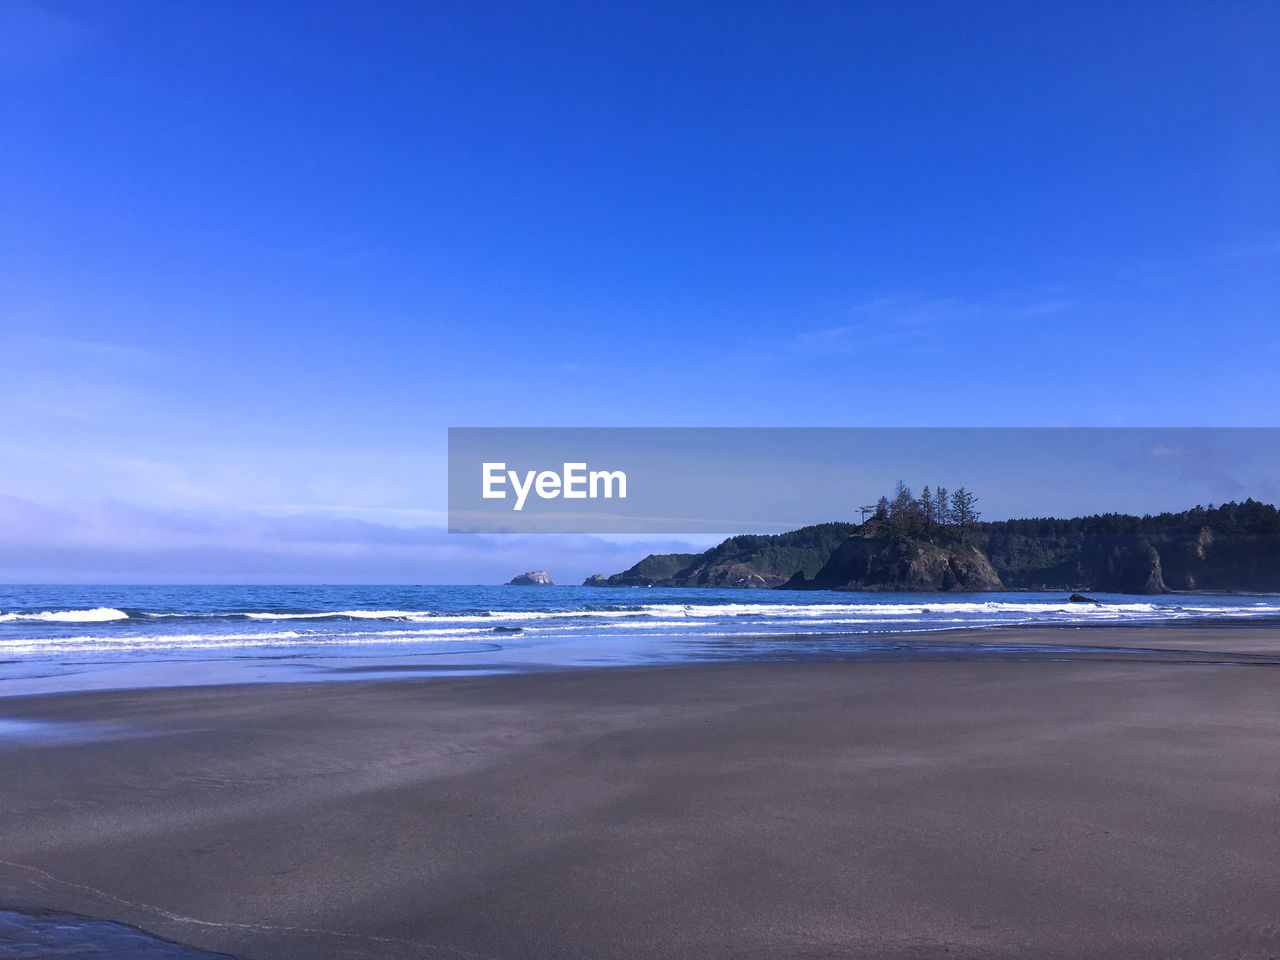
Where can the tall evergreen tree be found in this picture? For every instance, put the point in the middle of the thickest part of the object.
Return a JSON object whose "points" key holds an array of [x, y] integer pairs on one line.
{"points": [[964, 513], [901, 503]]}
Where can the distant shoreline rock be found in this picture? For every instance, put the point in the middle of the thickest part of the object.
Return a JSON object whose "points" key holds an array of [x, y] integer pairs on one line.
{"points": [[532, 578], [596, 580]]}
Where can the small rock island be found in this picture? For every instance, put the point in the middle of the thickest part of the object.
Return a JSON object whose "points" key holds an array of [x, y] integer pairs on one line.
{"points": [[532, 578]]}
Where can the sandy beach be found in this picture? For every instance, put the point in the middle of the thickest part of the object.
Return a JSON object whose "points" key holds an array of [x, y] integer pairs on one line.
{"points": [[1123, 806]]}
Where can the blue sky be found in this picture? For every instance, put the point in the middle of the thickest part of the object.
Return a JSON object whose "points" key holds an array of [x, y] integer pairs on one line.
{"points": [[255, 258]]}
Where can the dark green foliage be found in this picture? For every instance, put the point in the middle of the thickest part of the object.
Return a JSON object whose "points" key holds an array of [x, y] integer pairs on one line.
{"points": [[931, 515], [964, 513], [1248, 517], [1232, 547], [1235, 546], [782, 554], [662, 566], [773, 557]]}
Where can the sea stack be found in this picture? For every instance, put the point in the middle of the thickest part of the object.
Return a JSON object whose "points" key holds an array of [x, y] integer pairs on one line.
{"points": [[532, 578]]}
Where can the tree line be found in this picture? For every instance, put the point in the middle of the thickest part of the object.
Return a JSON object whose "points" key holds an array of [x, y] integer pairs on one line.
{"points": [[934, 512], [1247, 517], [938, 512]]}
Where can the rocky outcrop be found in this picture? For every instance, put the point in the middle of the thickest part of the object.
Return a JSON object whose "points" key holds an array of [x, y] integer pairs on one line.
{"points": [[532, 578], [655, 570], [596, 580], [689, 570], [1148, 576], [734, 575], [751, 560], [1213, 560], [1233, 547], [866, 563]]}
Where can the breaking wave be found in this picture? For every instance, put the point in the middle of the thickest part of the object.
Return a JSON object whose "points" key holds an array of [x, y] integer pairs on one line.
{"points": [[96, 615], [206, 623]]}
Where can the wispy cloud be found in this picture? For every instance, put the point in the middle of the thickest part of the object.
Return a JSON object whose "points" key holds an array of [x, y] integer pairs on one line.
{"points": [[1266, 250], [34, 36], [1212, 468], [72, 350], [1050, 307], [1167, 273], [909, 322], [69, 379], [887, 319]]}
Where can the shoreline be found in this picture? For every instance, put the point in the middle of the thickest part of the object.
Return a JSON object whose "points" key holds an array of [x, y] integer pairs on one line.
{"points": [[853, 809], [1254, 640]]}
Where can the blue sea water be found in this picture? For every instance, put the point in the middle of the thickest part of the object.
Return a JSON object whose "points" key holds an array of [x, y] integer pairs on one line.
{"points": [[65, 936], [76, 637]]}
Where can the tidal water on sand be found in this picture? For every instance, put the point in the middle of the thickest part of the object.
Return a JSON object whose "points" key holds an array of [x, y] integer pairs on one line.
{"points": [[62, 936]]}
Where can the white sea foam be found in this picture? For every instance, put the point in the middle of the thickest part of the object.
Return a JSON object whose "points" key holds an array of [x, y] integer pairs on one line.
{"points": [[426, 616], [96, 615], [892, 609], [764, 612], [346, 614], [215, 641], [686, 621], [942, 607]]}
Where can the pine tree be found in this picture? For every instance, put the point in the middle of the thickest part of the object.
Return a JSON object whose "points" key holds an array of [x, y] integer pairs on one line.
{"points": [[964, 512], [901, 504]]}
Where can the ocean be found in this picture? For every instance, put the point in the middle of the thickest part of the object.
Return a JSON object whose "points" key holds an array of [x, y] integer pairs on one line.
{"points": [[86, 637]]}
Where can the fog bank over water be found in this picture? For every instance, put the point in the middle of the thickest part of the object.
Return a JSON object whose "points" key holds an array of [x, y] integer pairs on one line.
{"points": [[117, 542]]}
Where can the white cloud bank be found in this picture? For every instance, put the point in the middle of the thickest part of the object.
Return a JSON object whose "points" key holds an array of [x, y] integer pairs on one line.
{"points": [[118, 542]]}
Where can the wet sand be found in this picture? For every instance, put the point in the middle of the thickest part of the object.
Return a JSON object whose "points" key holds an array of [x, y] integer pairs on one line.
{"points": [[1123, 806]]}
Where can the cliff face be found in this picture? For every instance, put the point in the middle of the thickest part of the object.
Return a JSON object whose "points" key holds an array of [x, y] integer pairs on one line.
{"points": [[1235, 547], [746, 561], [1110, 563], [1232, 547], [862, 563], [850, 562], [657, 569], [1213, 561]]}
